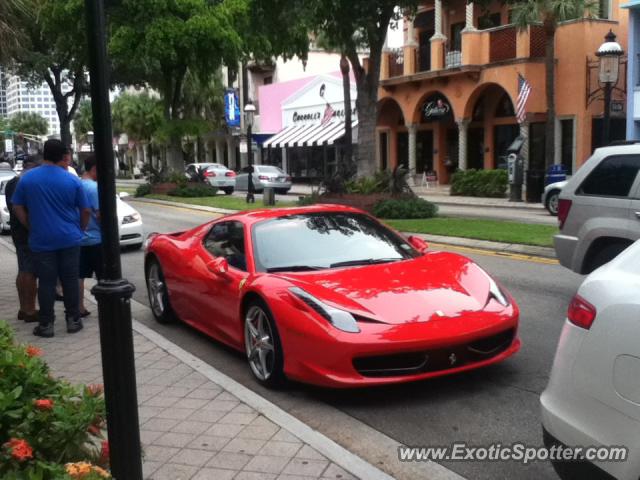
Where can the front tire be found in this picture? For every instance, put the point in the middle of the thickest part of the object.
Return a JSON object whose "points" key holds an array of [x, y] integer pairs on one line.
{"points": [[552, 202], [158, 294], [262, 345]]}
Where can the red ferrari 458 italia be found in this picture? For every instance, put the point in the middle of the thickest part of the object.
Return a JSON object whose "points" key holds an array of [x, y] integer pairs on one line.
{"points": [[328, 295]]}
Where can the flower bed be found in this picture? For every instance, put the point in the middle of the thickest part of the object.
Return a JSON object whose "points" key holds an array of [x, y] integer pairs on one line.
{"points": [[49, 429]]}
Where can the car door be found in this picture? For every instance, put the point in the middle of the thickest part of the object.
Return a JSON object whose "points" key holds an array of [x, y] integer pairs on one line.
{"points": [[216, 307]]}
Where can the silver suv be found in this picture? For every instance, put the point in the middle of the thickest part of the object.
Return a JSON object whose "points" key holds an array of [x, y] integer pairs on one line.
{"points": [[599, 209]]}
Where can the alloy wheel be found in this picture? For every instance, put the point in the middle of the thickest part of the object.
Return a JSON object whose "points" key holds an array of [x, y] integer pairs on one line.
{"points": [[259, 343], [156, 289]]}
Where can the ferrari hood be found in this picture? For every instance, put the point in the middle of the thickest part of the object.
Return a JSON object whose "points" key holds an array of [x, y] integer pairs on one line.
{"points": [[434, 285]]}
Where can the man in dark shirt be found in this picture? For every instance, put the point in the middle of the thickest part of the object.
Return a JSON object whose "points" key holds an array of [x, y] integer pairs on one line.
{"points": [[51, 203], [26, 283]]}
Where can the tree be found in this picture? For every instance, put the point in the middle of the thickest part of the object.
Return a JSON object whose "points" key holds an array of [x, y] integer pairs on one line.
{"points": [[139, 116], [354, 26], [156, 42], [83, 121], [28, 122], [550, 13], [12, 13], [54, 51]]}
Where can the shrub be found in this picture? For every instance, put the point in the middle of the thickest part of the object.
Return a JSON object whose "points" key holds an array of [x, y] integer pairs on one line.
{"points": [[365, 186], [142, 190], [44, 422], [192, 190], [479, 183], [410, 207], [309, 199]]}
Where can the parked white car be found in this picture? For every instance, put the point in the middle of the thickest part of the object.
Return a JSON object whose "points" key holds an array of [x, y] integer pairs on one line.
{"points": [[5, 176], [551, 196], [593, 395], [221, 177], [129, 224]]}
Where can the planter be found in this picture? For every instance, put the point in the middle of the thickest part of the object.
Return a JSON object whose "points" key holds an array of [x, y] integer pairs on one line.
{"points": [[163, 188], [356, 200]]}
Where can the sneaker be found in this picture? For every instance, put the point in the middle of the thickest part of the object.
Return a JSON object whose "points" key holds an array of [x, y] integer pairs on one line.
{"points": [[45, 331], [31, 317], [74, 326]]}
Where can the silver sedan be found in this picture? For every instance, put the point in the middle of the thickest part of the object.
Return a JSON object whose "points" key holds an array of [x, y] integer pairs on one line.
{"points": [[264, 176], [221, 177]]}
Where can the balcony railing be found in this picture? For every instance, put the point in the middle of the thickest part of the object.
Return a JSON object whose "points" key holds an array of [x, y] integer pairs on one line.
{"points": [[452, 58], [502, 43], [537, 41], [396, 62]]}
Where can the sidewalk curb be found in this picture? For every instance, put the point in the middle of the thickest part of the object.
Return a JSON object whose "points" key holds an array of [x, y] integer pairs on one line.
{"points": [[506, 248]]}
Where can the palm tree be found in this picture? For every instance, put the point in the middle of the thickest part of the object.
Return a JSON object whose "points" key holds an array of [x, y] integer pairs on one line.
{"points": [[550, 13], [83, 121], [11, 11]]}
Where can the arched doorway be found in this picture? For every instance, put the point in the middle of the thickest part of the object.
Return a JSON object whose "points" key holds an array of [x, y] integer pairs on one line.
{"points": [[392, 134], [492, 128], [436, 136]]}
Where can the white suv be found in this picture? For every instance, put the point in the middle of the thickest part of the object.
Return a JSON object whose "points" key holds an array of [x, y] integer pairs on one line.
{"points": [[593, 395], [599, 209]]}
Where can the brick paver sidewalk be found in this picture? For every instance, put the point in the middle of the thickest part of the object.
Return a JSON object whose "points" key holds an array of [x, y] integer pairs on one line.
{"points": [[191, 427]]}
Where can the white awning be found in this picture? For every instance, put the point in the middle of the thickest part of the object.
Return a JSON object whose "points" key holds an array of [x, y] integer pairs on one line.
{"points": [[309, 135]]}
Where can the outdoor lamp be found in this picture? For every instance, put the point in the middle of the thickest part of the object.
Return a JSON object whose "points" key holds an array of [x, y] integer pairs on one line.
{"points": [[90, 140], [249, 112], [609, 55]]}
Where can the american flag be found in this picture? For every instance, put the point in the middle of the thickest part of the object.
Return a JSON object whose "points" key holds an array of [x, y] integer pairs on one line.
{"points": [[328, 115], [524, 90]]}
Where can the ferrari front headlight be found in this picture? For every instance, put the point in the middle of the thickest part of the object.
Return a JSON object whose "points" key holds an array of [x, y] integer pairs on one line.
{"points": [[341, 319]]}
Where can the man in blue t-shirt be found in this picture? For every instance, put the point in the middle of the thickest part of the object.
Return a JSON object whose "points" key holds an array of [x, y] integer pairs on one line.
{"points": [[52, 204], [91, 245]]}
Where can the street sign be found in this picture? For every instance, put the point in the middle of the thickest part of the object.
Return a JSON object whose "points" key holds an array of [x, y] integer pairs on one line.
{"points": [[243, 146], [8, 145]]}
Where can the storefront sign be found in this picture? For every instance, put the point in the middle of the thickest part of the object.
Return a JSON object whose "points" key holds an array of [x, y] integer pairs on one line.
{"points": [[617, 107], [436, 108], [315, 115]]}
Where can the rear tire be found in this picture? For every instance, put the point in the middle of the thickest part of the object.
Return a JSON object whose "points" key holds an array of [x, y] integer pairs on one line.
{"points": [[282, 191], [551, 203], [262, 345], [228, 190], [605, 254], [158, 294]]}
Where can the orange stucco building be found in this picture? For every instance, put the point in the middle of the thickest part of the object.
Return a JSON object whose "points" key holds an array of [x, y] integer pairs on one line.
{"points": [[447, 98]]}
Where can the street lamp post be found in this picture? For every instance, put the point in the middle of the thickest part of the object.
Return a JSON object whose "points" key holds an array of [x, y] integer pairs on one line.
{"points": [[249, 112], [90, 140], [113, 292], [609, 55]]}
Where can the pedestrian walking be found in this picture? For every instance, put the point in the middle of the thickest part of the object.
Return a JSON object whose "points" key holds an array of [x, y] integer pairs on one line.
{"points": [[26, 282], [52, 205], [91, 245]]}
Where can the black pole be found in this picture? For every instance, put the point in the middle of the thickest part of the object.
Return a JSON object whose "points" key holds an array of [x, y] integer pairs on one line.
{"points": [[607, 115], [113, 292], [250, 188]]}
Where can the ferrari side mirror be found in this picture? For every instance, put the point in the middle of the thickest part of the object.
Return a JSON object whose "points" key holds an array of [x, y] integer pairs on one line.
{"points": [[418, 243], [218, 265]]}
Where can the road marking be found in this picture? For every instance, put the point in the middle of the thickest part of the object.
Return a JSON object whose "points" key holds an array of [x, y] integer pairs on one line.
{"points": [[491, 253]]}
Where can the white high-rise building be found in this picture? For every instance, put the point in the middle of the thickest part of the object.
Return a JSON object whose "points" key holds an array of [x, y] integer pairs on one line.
{"points": [[3, 94], [20, 97]]}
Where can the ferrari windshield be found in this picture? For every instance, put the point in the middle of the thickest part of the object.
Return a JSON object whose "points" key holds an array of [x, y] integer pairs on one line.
{"points": [[325, 240]]}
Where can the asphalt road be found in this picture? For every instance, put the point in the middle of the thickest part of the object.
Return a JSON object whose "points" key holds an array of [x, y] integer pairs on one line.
{"points": [[498, 404]]}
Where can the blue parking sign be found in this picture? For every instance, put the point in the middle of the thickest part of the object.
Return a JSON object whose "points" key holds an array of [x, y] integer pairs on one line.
{"points": [[232, 108]]}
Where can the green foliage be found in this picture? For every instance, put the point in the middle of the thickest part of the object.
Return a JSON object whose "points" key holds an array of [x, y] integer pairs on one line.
{"points": [[54, 421], [391, 182], [142, 190], [409, 207], [137, 115], [12, 14], [83, 121], [312, 199], [28, 122], [479, 183], [192, 191], [365, 186]]}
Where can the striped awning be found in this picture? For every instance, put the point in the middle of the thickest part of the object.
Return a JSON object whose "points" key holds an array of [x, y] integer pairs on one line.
{"points": [[308, 135]]}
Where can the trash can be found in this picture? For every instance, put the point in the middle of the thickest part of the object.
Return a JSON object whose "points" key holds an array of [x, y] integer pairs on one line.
{"points": [[269, 196], [535, 185], [555, 173]]}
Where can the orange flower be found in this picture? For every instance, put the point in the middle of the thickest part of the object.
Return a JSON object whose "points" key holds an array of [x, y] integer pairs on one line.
{"points": [[20, 449], [101, 471], [95, 389], [44, 404], [33, 351]]}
